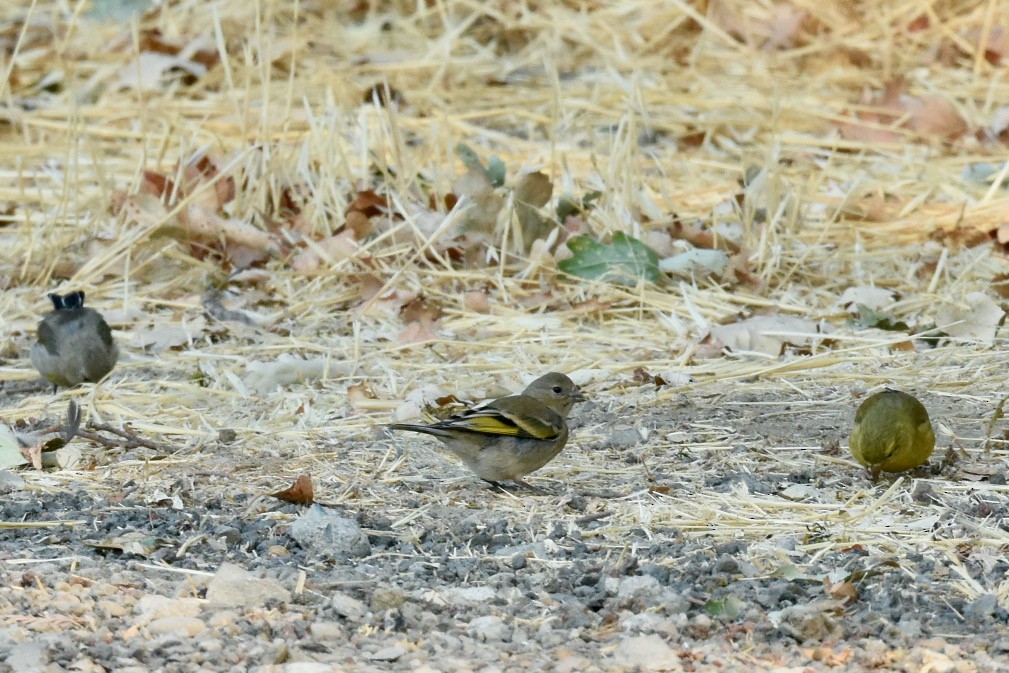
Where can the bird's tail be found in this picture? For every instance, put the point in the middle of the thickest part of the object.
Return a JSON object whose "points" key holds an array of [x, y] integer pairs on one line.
{"points": [[423, 429]]}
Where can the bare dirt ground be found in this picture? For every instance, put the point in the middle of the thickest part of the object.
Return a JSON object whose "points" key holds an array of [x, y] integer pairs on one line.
{"points": [[270, 204]]}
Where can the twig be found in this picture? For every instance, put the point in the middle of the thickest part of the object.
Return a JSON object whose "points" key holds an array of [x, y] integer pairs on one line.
{"points": [[133, 440]]}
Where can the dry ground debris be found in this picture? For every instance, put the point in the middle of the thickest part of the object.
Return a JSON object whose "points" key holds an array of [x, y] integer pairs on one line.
{"points": [[728, 221]]}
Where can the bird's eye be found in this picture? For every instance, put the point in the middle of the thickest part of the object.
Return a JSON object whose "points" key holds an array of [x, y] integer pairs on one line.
{"points": [[558, 390]]}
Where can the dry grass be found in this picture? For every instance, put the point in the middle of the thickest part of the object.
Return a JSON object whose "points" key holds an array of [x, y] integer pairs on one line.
{"points": [[554, 89]]}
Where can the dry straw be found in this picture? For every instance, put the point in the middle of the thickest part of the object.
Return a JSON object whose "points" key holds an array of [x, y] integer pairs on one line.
{"points": [[662, 107]]}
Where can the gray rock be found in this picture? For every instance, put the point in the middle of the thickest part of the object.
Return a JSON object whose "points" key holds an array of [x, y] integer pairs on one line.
{"points": [[635, 586], [295, 667], [28, 657], [326, 630], [387, 598], [982, 608], [647, 653], [325, 532], [231, 586], [391, 653], [348, 607], [488, 628], [624, 437], [10, 482], [468, 595]]}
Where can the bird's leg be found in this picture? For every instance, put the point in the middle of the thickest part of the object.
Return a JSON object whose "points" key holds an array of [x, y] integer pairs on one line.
{"points": [[496, 485], [525, 484]]}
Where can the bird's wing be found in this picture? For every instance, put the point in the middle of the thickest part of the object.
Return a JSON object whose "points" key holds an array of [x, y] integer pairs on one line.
{"points": [[516, 416], [103, 330], [47, 337]]}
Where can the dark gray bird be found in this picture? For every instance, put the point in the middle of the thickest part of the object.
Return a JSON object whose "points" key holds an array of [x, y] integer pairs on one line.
{"points": [[74, 343], [511, 436]]}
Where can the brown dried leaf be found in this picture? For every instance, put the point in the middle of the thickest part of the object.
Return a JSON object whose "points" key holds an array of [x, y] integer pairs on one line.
{"points": [[359, 224], [33, 454], [358, 393], [534, 189], [845, 591], [995, 44], [934, 115], [420, 316], [299, 493], [476, 301], [1002, 233], [420, 309], [368, 203], [201, 172], [417, 332], [332, 248], [156, 184], [531, 192], [487, 203], [205, 225], [929, 115]]}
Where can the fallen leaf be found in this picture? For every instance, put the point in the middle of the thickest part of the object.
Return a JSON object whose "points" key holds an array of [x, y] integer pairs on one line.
{"points": [[202, 179], [531, 192], [494, 172], [868, 317], [729, 607], [421, 316], [299, 493], [287, 369], [368, 203], [768, 334], [929, 115], [995, 43], [10, 449], [696, 263], [934, 115], [156, 184], [625, 260], [33, 454], [485, 203], [773, 30], [358, 394], [137, 543], [205, 225], [568, 206], [152, 71], [417, 332], [866, 295], [844, 591], [698, 236], [1000, 283], [476, 301], [978, 320], [331, 249]]}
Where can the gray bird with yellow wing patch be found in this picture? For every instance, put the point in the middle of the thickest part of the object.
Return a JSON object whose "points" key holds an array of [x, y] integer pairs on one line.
{"points": [[510, 437], [74, 343]]}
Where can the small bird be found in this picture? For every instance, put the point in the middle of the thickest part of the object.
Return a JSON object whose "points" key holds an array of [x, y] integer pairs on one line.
{"points": [[892, 433], [74, 343], [510, 437]]}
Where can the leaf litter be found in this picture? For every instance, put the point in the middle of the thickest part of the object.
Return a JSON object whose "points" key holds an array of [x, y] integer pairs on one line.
{"points": [[412, 245]]}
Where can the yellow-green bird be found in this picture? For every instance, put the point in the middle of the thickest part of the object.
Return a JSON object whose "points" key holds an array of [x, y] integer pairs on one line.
{"points": [[74, 343], [510, 437], [892, 433]]}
